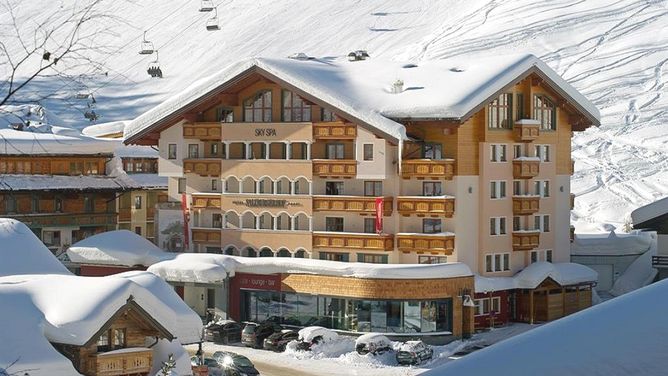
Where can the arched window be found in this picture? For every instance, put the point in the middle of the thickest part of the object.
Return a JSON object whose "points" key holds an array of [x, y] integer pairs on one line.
{"points": [[266, 221], [232, 221], [266, 252], [266, 186], [302, 186], [301, 222], [257, 109], [283, 186], [295, 108], [283, 253], [248, 185], [232, 185], [249, 252], [283, 222], [300, 254], [248, 220], [231, 251]]}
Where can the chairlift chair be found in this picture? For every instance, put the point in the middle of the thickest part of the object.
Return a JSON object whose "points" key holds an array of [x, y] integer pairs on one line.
{"points": [[82, 95], [207, 6], [146, 46], [91, 115], [154, 67], [212, 23]]}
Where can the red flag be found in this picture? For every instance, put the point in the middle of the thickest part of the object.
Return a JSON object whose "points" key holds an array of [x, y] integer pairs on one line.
{"points": [[379, 215], [186, 219]]}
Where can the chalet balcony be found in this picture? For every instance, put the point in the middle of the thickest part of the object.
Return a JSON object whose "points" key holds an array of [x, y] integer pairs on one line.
{"points": [[426, 206], [335, 168], [438, 244], [525, 240], [67, 219], [525, 167], [202, 131], [202, 167], [526, 130], [120, 362], [206, 235], [435, 169], [353, 241], [572, 200], [336, 130], [351, 204], [206, 201], [525, 205]]}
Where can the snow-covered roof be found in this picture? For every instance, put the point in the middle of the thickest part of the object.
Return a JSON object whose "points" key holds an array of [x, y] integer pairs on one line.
{"points": [[136, 151], [28, 182], [650, 211], [451, 88], [311, 332], [611, 244], [105, 129], [148, 181], [565, 274], [120, 247], [622, 336]]}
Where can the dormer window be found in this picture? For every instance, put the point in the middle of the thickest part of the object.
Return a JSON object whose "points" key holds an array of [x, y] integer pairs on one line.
{"points": [[295, 108], [257, 109], [545, 111], [500, 112]]}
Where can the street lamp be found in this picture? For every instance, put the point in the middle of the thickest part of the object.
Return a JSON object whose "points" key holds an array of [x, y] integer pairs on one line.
{"points": [[467, 301]]}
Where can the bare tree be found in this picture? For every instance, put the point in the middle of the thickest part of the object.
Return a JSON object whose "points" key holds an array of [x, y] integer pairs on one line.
{"points": [[65, 44]]}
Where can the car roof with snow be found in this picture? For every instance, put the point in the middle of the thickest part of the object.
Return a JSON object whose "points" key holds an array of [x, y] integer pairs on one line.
{"points": [[311, 332], [372, 338]]}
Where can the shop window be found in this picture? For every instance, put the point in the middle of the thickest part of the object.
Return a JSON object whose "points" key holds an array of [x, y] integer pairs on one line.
{"points": [[431, 188], [334, 188], [500, 112], [368, 152]]}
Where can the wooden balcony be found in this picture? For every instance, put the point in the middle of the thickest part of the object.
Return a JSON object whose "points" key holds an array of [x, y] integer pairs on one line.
{"points": [[434, 169], [437, 244], [67, 219], [335, 168], [526, 130], [124, 215], [336, 130], [116, 363], [525, 168], [525, 205], [525, 240], [202, 131], [202, 167], [351, 204], [353, 241], [206, 235], [206, 201], [572, 200], [426, 206]]}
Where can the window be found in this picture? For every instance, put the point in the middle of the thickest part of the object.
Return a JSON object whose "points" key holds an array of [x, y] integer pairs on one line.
{"points": [[543, 152], [542, 188], [327, 115], [333, 256], [500, 112], [171, 151], [545, 112], [534, 257], [373, 188], [517, 187], [225, 115], [335, 151], [295, 108], [431, 188], [193, 151], [370, 225], [58, 204], [51, 238], [334, 188], [76, 168], [519, 106], [497, 262], [548, 255], [431, 226], [103, 343], [517, 151], [257, 109], [539, 255], [368, 152], [217, 220], [89, 205], [137, 202], [497, 226], [35, 203], [10, 204], [432, 151], [372, 259], [138, 230], [432, 259], [497, 189], [119, 338], [516, 224], [542, 223], [334, 224], [486, 306], [181, 185], [214, 149], [498, 153]]}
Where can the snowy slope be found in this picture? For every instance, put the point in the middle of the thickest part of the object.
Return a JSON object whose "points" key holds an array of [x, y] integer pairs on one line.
{"points": [[615, 53]]}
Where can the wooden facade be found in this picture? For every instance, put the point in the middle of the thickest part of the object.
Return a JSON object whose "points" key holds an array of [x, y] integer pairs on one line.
{"points": [[550, 301], [53, 165]]}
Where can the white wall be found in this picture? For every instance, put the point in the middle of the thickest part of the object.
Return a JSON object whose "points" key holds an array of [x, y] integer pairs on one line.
{"points": [[466, 222], [172, 135], [562, 225]]}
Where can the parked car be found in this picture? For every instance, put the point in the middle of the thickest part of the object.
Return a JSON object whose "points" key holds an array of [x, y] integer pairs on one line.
{"points": [[254, 334], [313, 335], [372, 343], [278, 341], [223, 331], [234, 364], [414, 352], [467, 350], [214, 368]]}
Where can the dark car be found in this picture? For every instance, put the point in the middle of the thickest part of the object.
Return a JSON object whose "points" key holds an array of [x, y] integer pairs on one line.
{"points": [[278, 341], [223, 331], [212, 365], [233, 364], [254, 334], [414, 352]]}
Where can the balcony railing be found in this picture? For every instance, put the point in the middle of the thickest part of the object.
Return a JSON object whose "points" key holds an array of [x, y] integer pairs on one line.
{"points": [[441, 243], [428, 169], [426, 206], [336, 130], [525, 240], [353, 241], [120, 363], [206, 235], [202, 167], [67, 219], [206, 201], [202, 131], [525, 205], [341, 168], [351, 204], [660, 261], [525, 167], [526, 130]]}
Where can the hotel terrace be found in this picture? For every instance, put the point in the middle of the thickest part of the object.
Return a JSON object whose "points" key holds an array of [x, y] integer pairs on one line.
{"points": [[470, 159]]}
